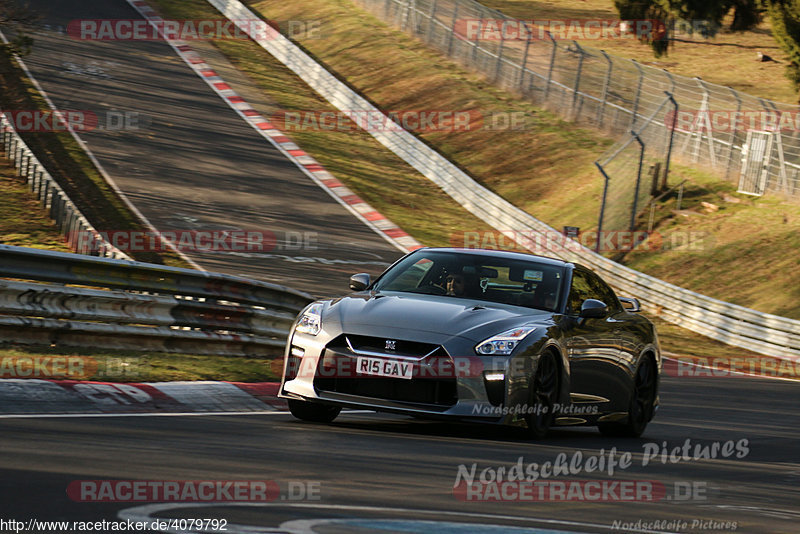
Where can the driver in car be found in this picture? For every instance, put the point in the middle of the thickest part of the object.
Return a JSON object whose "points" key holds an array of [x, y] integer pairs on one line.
{"points": [[456, 285]]}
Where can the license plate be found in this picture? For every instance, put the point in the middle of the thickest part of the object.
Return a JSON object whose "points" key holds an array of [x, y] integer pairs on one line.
{"points": [[381, 367]]}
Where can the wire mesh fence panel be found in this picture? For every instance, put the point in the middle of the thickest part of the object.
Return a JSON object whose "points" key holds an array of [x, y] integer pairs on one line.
{"points": [[589, 86], [635, 171]]}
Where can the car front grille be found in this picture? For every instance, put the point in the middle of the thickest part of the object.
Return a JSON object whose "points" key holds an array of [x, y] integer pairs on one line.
{"points": [[433, 380]]}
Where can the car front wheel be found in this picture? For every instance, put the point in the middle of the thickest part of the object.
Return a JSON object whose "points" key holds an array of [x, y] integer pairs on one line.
{"points": [[543, 395], [313, 412]]}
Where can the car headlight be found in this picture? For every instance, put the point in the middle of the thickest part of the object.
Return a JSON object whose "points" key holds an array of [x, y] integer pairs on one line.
{"points": [[504, 342], [311, 321]]}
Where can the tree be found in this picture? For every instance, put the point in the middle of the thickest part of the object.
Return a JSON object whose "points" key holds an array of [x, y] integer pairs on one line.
{"points": [[785, 17], [695, 16], [17, 18]]}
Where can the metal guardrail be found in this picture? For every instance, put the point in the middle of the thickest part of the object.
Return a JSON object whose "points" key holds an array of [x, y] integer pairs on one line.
{"points": [[121, 304], [69, 219], [732, 324]]}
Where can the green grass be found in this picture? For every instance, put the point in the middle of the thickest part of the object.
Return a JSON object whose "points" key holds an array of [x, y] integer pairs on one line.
{"points": [[745, 252], [23, 222], [134, 366]]}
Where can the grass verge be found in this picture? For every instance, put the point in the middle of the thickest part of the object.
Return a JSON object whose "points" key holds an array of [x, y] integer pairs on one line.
{"points": [[61, 363], [23, 222]]}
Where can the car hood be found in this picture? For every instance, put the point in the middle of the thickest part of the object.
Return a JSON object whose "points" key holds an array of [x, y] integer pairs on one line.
{"points": [[448, 316]]}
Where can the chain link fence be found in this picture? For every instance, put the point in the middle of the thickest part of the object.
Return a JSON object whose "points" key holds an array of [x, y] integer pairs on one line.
{"points": [[635, 171], [750, 141]]}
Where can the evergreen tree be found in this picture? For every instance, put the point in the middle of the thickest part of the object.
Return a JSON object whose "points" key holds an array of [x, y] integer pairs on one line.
{"points": [[785, 17], [700, 16]]}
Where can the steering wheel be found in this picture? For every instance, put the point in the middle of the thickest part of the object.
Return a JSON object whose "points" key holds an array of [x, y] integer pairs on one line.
{"points": [[436, 290]]}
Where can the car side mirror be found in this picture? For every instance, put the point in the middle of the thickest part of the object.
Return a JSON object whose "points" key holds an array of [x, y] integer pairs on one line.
{"points": [[593, 309], [630, 304], [359, 282]]}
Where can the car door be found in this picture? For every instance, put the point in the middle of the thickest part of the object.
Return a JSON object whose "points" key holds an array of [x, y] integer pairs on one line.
{"points": [[597, 368]]}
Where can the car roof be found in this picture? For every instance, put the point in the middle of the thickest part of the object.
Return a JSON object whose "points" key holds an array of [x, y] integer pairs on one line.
{"points": [[506, 254]]}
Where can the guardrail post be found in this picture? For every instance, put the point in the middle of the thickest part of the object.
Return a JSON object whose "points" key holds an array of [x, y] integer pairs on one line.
{"points": [[23, 168], [53, 207]]}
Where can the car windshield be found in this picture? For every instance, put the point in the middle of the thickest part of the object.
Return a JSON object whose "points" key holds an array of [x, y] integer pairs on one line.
{"points": [[514, 281]]}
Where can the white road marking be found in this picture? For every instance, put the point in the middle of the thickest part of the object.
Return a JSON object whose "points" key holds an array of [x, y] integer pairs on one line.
{"points": [[153, 414], [144, 514]]}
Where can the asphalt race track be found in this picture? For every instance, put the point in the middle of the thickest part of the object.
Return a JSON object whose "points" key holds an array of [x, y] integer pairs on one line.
{"points": [[197, 165], [376, 468], [189, 162]]}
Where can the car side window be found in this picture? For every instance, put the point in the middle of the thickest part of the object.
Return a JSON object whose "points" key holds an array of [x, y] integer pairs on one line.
{"points": [[587, 285], [579, 290], [607, 294]]}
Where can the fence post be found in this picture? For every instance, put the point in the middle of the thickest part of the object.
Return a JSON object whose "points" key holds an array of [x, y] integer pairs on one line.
{"points": [[475, 43], [735, 94], [452, 31], [779, 141], [500, 52], [638, 179], [704, 108], [431, 21], [635, 112], [602, 207], [550, 68], [525, 57], [601, 110], [576, 88], [671, 139]]}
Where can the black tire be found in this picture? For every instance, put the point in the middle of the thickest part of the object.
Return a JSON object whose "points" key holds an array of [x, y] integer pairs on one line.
{"points": [[543, 391], [313, 412], [641, 407]]}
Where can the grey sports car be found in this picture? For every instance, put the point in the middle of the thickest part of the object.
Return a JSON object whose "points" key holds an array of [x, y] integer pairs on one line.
{"points": [[478, 335]]}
